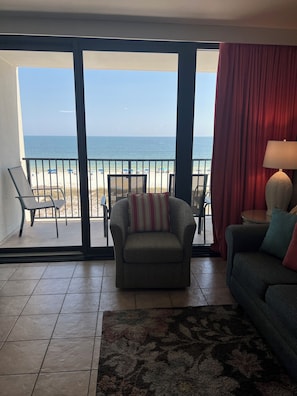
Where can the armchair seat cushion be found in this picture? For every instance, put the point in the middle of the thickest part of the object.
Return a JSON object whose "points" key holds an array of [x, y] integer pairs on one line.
{"points": [[153, 247]]}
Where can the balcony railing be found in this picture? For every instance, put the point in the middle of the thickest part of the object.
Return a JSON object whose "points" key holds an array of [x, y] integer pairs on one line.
{"points": [[64, 173]]}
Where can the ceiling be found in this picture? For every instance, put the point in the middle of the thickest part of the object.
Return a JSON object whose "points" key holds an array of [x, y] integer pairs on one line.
{"points": [[179, 18], [276, 14]]}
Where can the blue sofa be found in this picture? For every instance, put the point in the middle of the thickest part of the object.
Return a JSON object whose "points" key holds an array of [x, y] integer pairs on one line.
{"points": [[265, 289]]}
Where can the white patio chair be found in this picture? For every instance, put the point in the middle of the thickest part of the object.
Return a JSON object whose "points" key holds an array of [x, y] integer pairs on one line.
{"points": [[32, 202]]}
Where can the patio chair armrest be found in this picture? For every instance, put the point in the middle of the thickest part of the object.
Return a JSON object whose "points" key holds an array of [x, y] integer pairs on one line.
{"points": [[49, 189], [103, 201], [36, 196], [105, 208]]}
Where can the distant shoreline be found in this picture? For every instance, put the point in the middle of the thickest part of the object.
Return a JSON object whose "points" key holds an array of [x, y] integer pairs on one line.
{"points": [[98, 181]]}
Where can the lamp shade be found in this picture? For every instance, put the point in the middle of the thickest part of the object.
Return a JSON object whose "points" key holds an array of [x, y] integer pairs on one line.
{"points": [[280, 155]]}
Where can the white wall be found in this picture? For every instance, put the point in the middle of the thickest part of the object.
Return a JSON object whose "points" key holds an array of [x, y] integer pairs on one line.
{"points": [[57, 25], [10, 213]]}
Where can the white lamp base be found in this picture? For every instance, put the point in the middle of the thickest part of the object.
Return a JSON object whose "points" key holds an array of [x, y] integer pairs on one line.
{"points": [[278, 191]]}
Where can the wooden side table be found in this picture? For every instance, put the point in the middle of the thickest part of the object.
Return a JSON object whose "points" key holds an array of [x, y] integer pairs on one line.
{"points": [[255, 217]]}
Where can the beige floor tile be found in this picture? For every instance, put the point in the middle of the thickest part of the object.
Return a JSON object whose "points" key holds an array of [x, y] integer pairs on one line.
{"points": [[22, 357], [28, 273], [12, 305], [59, 271], [108, 284], [10, 265], [194, 282], [99, 324], [52, 286], [74, 291], [68, 355], [74, 383], [152, 299], [109, 268], [208, 265], [17, 385], [6, 324], [18, 287], [6, 272], [33, 327], [44, 304], [89, 269], [76, 325], [85, 285], [41, 264], [81, 303], [96, 353], [93, 383], [218, 296], [188, 297], [214, 280], [110, 301]]}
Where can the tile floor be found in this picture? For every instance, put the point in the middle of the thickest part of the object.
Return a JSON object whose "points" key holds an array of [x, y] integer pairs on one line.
{"points": [[51, 316]]}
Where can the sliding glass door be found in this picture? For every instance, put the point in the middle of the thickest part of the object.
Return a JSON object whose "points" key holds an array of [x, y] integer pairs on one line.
{"points": [[206, 73], [79, 110], [44, 143], [130, 102]]}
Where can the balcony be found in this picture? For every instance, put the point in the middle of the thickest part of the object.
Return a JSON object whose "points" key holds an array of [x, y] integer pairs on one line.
{"points": [[64, 173]]}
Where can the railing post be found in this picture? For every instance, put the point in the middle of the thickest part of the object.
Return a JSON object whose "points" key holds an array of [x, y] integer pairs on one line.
{"points": [[28, 169]]}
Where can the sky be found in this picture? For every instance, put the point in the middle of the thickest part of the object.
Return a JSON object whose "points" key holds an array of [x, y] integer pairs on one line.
{"points": [[127, 103]]}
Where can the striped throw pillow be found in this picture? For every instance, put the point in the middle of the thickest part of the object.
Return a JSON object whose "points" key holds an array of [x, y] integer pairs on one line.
{"points": [[149, 212]]}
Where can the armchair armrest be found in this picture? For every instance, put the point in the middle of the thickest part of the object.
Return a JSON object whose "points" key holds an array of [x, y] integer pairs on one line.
{"points": [[182, 223], [119, 222]]}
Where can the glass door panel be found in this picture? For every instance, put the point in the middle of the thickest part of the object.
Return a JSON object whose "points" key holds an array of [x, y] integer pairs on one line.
{"points": [[130, 101], [44, 142], [206, 74]]}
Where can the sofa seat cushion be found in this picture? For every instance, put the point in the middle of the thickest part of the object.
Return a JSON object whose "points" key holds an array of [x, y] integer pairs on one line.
{"points": [[152, 247], [256, 271], [282, 301]]}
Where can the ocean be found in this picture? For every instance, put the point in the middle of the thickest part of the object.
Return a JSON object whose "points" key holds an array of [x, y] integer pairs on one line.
{"points": [[113, 147]]}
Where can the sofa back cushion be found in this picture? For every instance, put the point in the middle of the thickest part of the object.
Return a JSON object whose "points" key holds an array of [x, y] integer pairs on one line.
{"points": [[148, 212], [279, 233]]}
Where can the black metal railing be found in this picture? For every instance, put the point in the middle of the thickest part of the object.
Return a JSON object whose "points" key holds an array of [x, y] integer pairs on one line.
{"points": [[64, 173]]}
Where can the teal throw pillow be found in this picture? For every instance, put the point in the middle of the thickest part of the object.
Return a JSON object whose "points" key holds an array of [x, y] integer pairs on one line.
{"points": [[279, 233]]}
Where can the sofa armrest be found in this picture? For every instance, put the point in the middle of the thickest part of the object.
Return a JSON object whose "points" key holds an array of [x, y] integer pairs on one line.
{"points": [[243, 238]]}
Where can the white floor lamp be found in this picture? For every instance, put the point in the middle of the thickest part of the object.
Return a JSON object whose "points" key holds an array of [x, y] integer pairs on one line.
{"points": [[279, 155]]}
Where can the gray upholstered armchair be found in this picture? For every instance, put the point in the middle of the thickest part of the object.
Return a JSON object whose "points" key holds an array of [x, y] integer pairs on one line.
{"points": [[153, 259]]}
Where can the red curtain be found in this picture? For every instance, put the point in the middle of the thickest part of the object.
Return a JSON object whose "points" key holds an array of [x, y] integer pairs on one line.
{"points": [[256, 101]]}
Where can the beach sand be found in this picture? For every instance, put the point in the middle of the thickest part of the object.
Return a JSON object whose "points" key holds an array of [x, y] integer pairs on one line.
{"points": [[156, 181]]}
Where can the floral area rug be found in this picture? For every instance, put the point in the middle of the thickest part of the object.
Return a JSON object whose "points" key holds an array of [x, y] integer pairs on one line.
{"points": [[207, 351]]}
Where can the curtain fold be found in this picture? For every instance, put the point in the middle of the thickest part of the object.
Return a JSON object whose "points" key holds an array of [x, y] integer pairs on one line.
{"points": [[256, 101]]}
